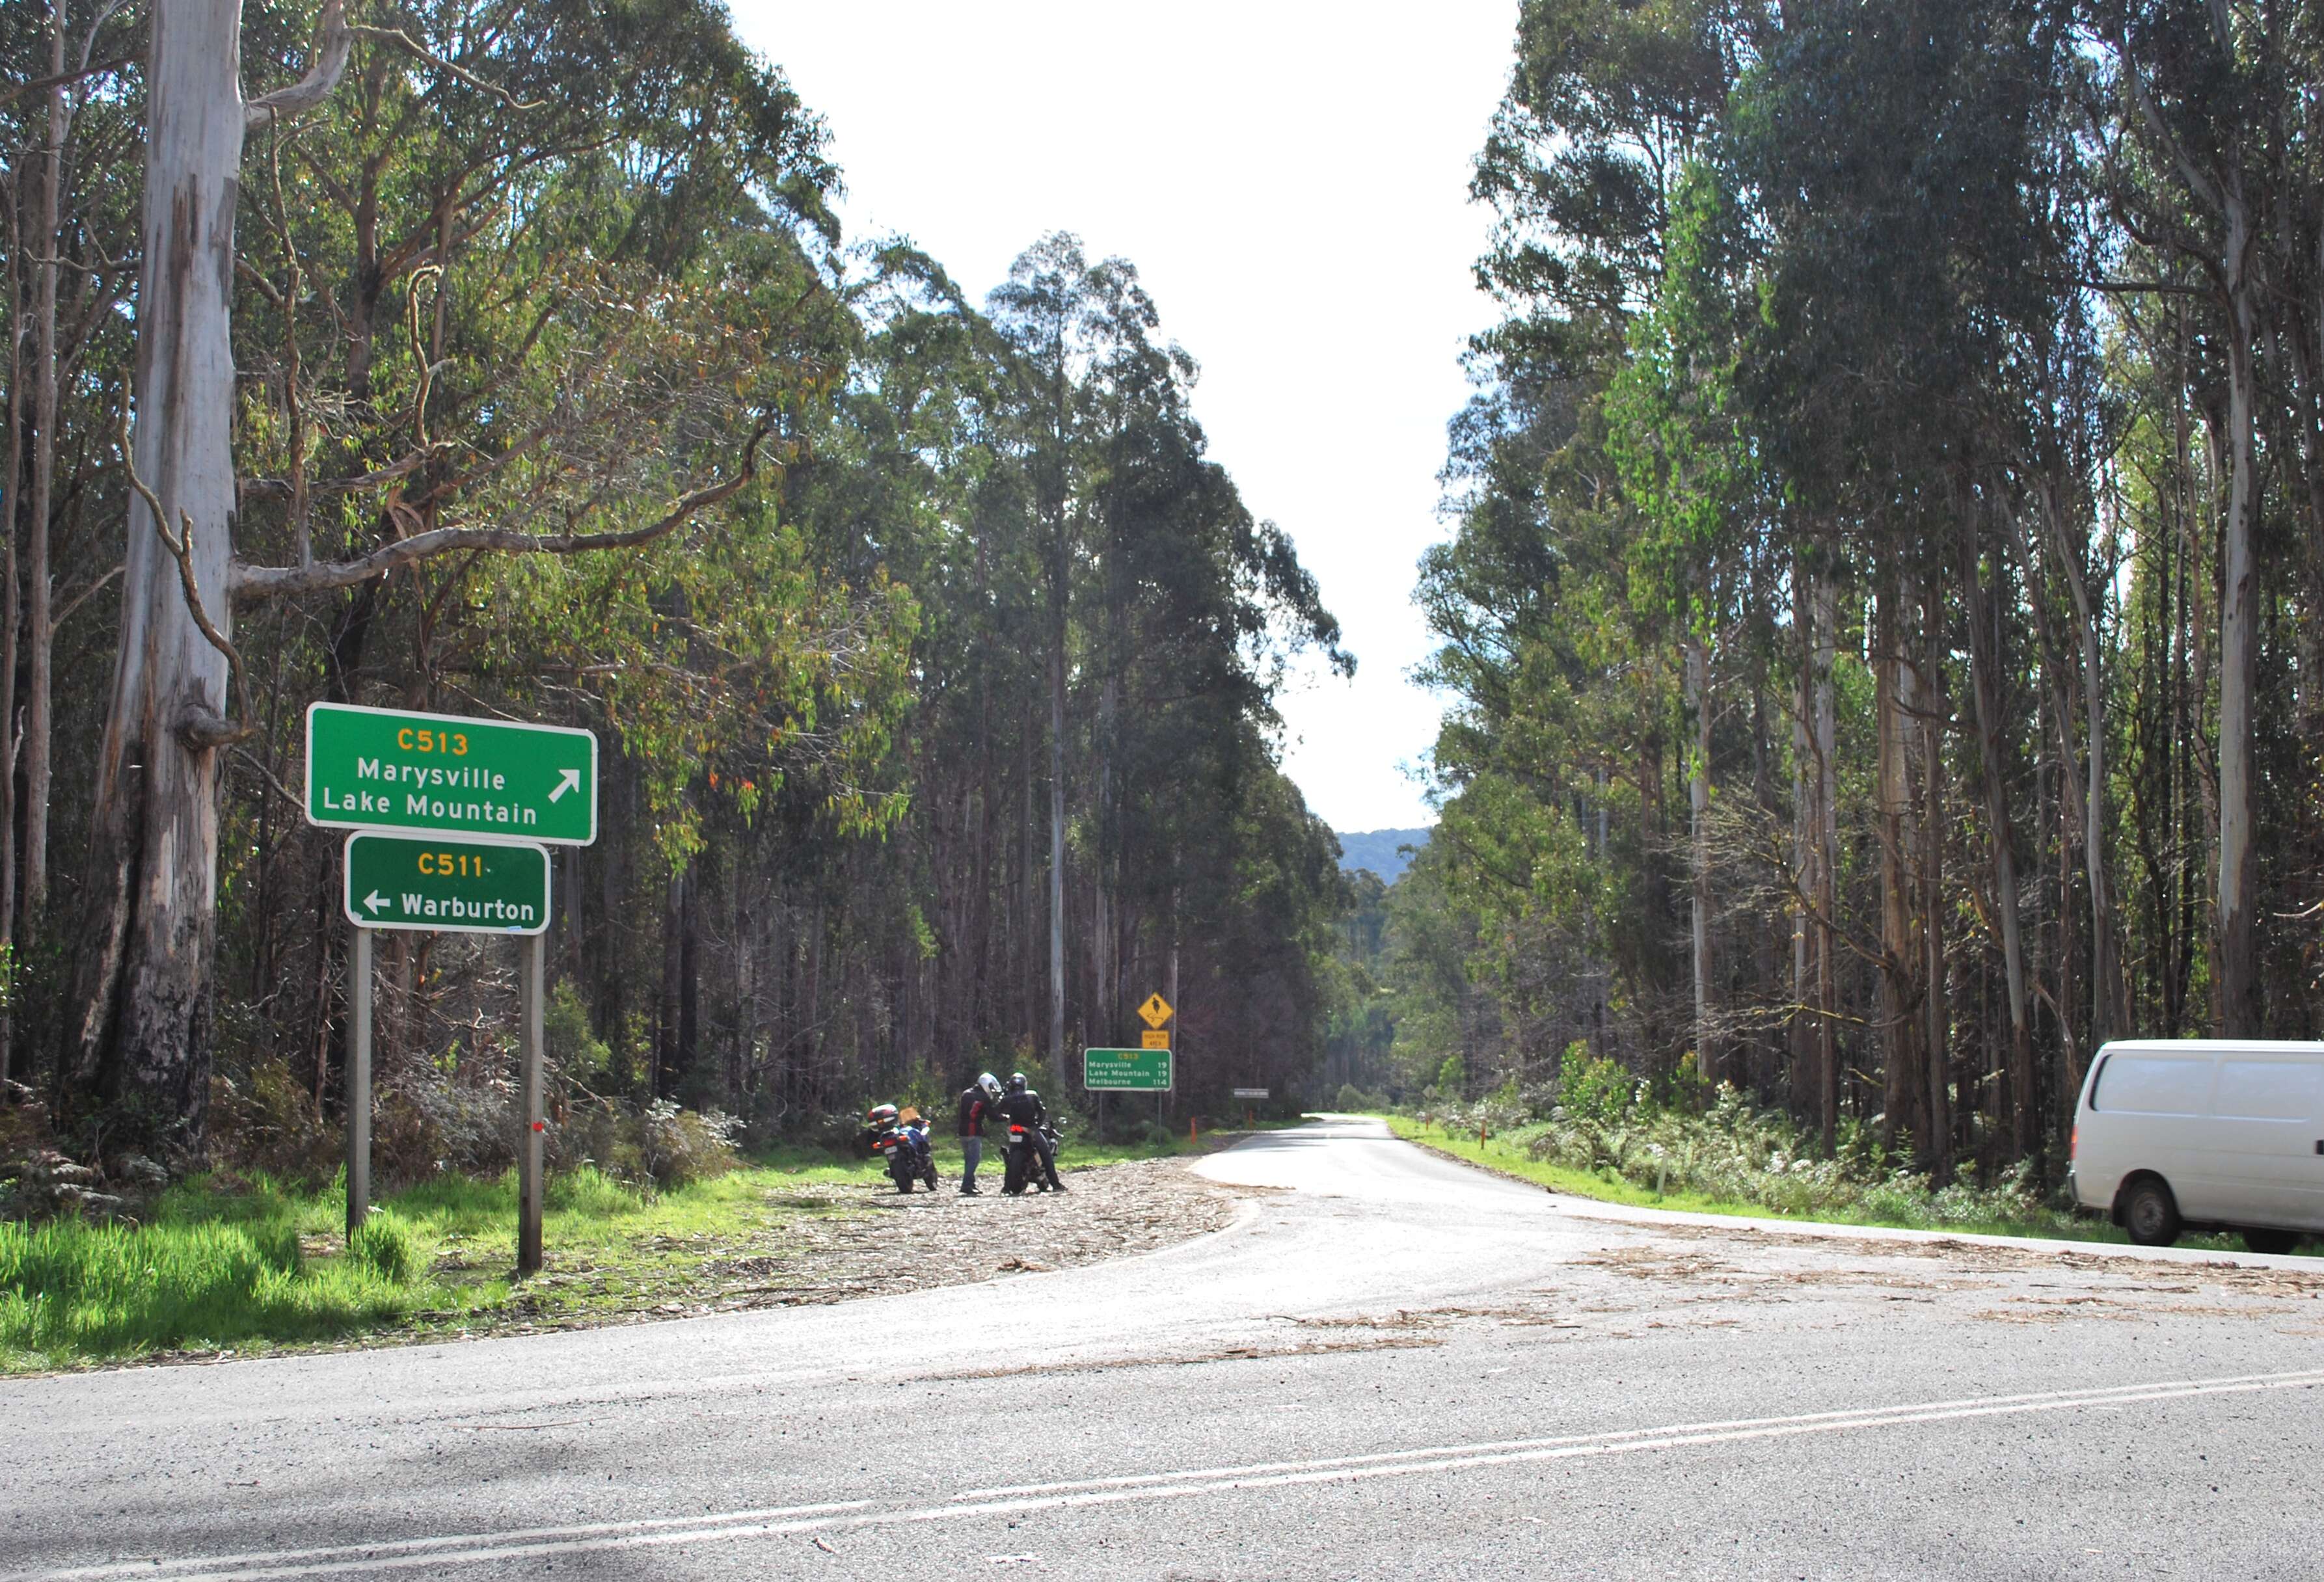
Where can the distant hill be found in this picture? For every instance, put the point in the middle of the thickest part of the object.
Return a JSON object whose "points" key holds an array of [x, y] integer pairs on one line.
{"points": [[1377, 850]]}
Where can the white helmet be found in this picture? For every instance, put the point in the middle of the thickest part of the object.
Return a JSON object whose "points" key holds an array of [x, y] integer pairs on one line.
{"points": [[990, 1084]]}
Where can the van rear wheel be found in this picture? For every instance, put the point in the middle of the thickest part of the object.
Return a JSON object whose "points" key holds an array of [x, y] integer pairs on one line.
{"points": [[2271, 1241], [2150, 1213]]}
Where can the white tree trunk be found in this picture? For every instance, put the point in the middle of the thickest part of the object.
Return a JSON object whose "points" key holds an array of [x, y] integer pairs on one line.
{"points": [[2239, 1007], [144, 1037], [1698, 798]]}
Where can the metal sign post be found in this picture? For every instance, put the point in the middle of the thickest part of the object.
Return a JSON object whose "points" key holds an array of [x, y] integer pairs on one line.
{"points": [[535, 974], [359, 1086]]}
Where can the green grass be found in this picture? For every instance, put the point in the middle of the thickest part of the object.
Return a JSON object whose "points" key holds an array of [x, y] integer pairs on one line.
{"points": [[1606, 1186], [251, 1264]]}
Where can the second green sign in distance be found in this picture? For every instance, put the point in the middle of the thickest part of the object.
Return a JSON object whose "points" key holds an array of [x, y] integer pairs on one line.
{"points": [[1131, 1070], [445, 884], [389, 768]]}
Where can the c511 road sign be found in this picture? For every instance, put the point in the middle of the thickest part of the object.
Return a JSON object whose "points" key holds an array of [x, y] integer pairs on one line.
{"points": [[1129, 1070], [387, 768], [452, 886]]}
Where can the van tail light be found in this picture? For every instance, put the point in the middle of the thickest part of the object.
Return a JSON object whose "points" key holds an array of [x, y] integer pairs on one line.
{"points": [[2074, 1144]]}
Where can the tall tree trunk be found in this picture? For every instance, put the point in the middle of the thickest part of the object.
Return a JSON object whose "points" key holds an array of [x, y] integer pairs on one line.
{"points": [[10, 607], [2109, 997], [143, 981], [1899, 965], [1698, 800], [2002, 852], [1827, 768], [39, 627], [1937, 1050], [1057, 855], [2241, 1014]]}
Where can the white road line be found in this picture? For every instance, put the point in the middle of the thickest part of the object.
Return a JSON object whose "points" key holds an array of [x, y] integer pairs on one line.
{"points": [[658, 1532], [1867, 1417], [426, 1549]]}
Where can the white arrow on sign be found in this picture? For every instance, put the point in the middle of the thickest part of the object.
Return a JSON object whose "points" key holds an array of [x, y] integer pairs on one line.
{"points": [[374, 900], [570, 780]]}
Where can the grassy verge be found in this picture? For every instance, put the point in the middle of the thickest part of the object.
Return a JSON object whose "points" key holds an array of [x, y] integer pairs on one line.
{"points": [[1606, 1186], [232, 1266]]}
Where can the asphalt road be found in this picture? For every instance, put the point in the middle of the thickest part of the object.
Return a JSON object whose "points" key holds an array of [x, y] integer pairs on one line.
{"points": [[1389, 1367]]}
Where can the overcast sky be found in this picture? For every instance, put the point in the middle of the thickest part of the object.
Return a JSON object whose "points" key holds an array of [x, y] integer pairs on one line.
{"points": [[1291, 181]]}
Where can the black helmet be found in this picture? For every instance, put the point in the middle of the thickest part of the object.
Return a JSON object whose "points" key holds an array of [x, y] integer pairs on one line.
{"points": [[1016, 1081]]}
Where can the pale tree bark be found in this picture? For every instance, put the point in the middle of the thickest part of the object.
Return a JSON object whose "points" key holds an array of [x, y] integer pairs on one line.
{"points": [[39, 626], [1698, 798], [143, 981], [9, 604], [2110, 997], [1057, 847], [1937, 1013], [1985, 699], [1893, 698], [1827, 840], [2241, 1014]]}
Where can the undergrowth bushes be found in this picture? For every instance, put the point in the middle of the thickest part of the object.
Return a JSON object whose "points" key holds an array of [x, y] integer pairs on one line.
{"points": [[1600, 1119]]}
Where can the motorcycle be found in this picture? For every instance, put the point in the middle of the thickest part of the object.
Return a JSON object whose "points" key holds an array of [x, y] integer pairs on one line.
{"points": [[1020, 1164], [902, 1140]]}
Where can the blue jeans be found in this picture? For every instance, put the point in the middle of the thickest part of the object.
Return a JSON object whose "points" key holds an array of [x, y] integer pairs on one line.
{"points": [[972, 1155]]}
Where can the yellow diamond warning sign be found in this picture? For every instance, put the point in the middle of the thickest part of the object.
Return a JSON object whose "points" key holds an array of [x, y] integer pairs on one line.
{"points": [[1155, 1010]]}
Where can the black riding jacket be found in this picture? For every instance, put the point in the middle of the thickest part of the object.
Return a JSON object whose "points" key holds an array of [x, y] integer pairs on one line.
{"points": [[974, 1107], [1023, 1108]]}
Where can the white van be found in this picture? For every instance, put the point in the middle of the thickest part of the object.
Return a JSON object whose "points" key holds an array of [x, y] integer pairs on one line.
{"points": [[2174, 1132]]}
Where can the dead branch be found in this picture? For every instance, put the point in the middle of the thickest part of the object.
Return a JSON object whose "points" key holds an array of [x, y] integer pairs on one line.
{"points": [[404, 41], [77, 600], [250, 583], [322, 75], [200, 728], [18, 90]]}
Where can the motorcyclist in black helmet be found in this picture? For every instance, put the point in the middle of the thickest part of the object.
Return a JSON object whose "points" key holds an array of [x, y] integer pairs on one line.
{"points": [[1022, 1106]]}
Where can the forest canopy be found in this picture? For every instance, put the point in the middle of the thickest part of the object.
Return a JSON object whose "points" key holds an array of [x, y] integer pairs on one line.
{"points": [[1880, 615], [932, 658]]}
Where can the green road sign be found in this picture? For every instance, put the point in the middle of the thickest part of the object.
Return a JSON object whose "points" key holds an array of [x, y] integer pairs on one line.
{"points": [[384, 769], [453, 886], [1135, 1070]]}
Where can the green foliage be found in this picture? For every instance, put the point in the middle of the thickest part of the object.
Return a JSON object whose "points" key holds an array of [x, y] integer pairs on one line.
{"points": [[385, 1246]]}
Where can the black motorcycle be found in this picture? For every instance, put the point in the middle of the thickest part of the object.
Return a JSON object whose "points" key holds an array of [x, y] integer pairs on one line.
{"points": [[910, 1157], [1020, 1163]]}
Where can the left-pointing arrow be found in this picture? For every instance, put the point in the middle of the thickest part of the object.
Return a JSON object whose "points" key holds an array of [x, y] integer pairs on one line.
{"points": [[374, 900]]}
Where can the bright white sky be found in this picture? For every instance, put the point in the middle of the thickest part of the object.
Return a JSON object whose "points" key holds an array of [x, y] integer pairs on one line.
{"points": [[1291, 181]]}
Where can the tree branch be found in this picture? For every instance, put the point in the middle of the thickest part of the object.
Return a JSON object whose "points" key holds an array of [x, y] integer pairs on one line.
{"points": [[322, 75], [397, 36], [252, 583], [200, 728]]}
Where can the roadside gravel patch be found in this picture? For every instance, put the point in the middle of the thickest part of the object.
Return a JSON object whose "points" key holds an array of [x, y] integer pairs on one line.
{"points": [[872, 1241]]}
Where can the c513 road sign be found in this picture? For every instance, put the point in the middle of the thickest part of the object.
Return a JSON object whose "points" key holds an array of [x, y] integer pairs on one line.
{"points": [[386, 768], [454, 885], [1133, 1071]]}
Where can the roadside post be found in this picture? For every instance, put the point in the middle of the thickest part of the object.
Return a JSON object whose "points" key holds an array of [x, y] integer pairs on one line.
{"points": [[358, 1082], [1249, 1116], [451, 819]]}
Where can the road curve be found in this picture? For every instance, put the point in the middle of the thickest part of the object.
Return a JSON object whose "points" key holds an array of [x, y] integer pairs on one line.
{"points": [[1388, 1364]]}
